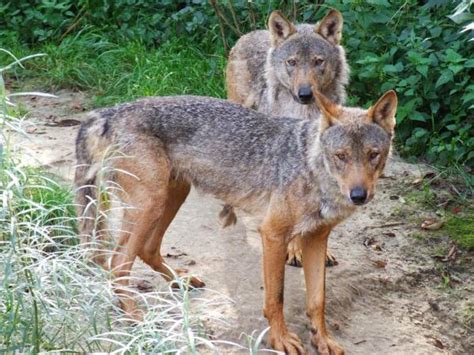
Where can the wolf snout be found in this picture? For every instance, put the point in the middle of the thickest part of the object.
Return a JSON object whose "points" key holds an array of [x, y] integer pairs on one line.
{"points": [[358, 195], [305, 94]]}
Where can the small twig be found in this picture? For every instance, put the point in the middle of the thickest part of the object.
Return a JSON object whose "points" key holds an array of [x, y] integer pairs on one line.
{"points": [[360, 342], [78, 19], [317, 7], [294, 11], [221, 25], [234, 18], [222, 17], [385, 225], [252, 15]]}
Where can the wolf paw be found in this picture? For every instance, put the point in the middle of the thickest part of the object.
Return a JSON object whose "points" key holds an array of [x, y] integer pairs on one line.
{"points": [[330, 259], [294, 256], [288, 342], [326, 345], [194, 282]]}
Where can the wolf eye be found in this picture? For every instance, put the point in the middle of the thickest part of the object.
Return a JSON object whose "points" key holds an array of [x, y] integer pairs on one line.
{"points": [[373, 155], [318, 62], [341, 156], [291, 62]]}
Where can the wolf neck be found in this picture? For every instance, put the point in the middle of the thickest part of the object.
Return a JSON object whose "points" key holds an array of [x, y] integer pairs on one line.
{"points": [[322, 200]]}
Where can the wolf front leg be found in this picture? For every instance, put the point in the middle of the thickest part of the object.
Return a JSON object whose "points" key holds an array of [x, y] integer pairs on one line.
{"points": [[275, 241], [314, 265]]}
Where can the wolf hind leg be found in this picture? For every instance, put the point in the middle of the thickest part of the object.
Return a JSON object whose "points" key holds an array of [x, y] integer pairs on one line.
{"points": [[177, 192], [294, 256], [143, 176]]}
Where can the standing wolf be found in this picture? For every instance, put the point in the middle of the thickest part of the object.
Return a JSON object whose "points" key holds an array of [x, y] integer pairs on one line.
{"points": [[278, 72], [297, 176]]}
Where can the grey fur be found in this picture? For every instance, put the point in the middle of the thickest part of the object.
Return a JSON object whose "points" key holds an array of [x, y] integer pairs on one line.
{"points": [[241, 156], [263, 79]]}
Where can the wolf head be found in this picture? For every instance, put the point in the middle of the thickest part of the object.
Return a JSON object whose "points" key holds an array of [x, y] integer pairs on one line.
{"points": [[355, 144], [307, 58]]}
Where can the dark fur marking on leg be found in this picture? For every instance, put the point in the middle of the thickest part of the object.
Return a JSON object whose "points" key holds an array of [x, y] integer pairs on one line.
{"points": [[281, 295], [106, 127]]}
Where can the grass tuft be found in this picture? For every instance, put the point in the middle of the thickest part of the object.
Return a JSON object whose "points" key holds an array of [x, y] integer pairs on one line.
{"points": [[118, 72], [52, 298]]}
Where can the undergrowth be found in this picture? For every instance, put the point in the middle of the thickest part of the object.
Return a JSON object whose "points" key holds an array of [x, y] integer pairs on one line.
{"points": [[118, 72], [52, 298]]}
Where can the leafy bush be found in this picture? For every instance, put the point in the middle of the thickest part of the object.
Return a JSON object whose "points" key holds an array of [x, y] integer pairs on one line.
{"points": [[414, 47], [419, 52]]}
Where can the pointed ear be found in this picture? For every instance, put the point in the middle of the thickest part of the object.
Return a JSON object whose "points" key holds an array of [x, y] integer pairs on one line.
{"points": [[330, 27], [330, 112], [280, 28], [383, 112]]}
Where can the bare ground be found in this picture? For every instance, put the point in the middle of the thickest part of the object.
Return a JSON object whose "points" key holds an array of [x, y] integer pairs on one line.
{"points": [[385, 297]]}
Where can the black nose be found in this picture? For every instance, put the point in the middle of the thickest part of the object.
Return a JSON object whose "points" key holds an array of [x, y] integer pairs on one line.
{"points": [[358, 195], [305, 94]]}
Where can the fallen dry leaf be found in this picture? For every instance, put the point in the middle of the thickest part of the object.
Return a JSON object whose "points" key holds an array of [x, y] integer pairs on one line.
{"points": [[453, 253], [175, 256], [438, 343], [372, 243], [389, 234], [78, 107], [31, 129], [417, 181], [379, 263], [432, 224]]}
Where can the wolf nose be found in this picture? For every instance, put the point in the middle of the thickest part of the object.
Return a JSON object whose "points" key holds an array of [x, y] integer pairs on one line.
{"points": [[305, 94], [358, 195]]}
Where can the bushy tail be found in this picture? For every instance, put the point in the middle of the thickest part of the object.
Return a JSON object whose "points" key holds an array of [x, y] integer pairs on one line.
{"points": [[89, 198], [87, 202]]}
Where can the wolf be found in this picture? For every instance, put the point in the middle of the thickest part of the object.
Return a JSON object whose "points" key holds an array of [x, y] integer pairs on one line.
{"points": [[278, 71], [296, 176]]}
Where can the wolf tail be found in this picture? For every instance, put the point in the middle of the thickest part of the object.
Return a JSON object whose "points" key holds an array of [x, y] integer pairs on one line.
{"points": [[89, 198]]}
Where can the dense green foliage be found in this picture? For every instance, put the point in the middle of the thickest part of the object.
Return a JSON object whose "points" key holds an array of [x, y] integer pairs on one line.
{"points": [[125, 48]]}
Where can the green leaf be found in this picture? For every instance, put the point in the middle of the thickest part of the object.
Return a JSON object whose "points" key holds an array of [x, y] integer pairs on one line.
{"points": [[418, 116], [390, 68], [453, 57], [468, 97], [423, 70], [455, 68], [434, 107], [469, 63], [420, 133], [445, 77]]}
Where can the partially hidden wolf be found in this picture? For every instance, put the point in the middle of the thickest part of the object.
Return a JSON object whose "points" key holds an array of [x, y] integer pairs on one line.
{"points": [[278, 71], [296, 176]]}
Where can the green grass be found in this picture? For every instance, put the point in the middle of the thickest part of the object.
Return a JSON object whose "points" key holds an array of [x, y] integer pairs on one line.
{"points": [[461, 228], [118, 72], [448, 196]]}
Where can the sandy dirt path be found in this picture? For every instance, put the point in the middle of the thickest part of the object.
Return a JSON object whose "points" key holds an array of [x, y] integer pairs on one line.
{"points": [[383, 297]]}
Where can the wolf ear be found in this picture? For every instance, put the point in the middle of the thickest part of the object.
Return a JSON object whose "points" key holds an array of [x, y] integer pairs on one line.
{"points": [[330, 27], [330, 112], [383, 112], [280, 28]]}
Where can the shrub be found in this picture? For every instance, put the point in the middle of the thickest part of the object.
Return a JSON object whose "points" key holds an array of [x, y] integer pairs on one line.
{"points": [[414, 47]]}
